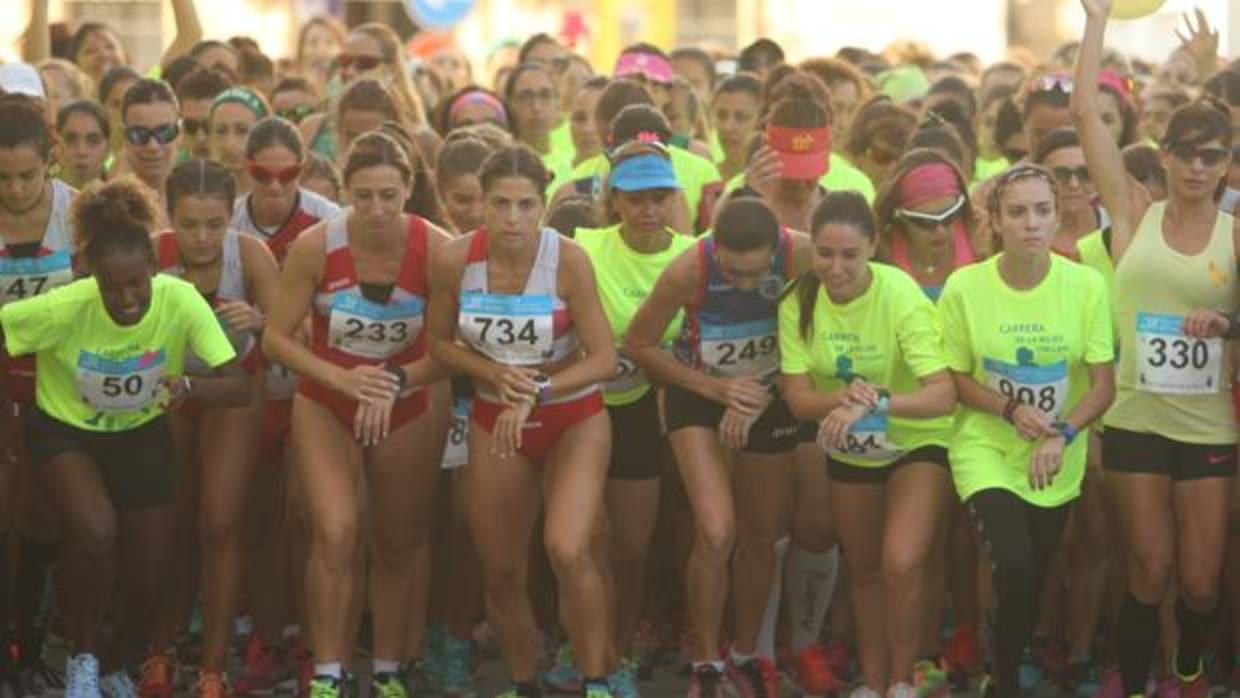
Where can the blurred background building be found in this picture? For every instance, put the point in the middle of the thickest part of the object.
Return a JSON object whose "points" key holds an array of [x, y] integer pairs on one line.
{"points": [[599, 28]]}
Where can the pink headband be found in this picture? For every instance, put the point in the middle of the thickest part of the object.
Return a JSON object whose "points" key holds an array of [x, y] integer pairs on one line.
{"points": [[928, 182], [476, 97], [1111, 79], [656, 68]]}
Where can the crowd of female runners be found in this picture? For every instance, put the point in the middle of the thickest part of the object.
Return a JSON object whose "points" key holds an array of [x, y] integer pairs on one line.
{"points": [[877, 373]]}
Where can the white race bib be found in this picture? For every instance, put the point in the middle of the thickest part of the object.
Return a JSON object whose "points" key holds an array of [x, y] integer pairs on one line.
{"points": [[456, 452], [868, 440], [280, 381], [26, 277], [371, 330], [119, 385], [747, 349], [509, 329], [629, 375], [1043, 387], [1169, 362]]}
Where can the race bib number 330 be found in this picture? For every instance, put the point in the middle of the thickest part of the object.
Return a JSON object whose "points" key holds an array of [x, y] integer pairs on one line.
{"points": [[1169, 362]]}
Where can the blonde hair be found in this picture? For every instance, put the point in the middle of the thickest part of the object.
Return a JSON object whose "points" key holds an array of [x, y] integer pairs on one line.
{"points": [[394, 57]]}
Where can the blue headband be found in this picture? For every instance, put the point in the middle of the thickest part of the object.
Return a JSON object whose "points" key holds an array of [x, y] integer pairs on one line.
{"points": [[643, 172]]}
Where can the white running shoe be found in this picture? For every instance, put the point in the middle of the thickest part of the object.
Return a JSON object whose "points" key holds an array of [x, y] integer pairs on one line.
{"points": [[118, 684], [82, 677]]}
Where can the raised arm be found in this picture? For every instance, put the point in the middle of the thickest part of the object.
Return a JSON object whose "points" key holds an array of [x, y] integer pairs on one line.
{"points": [[189, 31], [37, 39], [1124, 199]]}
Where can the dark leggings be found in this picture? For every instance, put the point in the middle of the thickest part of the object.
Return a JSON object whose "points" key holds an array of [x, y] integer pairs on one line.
{"points": [[1021, 540]]}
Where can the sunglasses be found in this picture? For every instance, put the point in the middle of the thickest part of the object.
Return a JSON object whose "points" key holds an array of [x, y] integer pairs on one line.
{"points": [[1052, 83], [296, 114], [266, 175], [1065, 174], [922, 219], [193, 126], [1210, 157], [363, 63], [141, 135]]}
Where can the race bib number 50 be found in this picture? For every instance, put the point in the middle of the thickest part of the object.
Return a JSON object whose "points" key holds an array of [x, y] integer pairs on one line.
{"points": [[119, 385], [1169, 362]]}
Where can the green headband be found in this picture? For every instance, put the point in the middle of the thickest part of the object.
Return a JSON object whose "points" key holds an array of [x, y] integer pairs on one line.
{"points": [[241, 96]]}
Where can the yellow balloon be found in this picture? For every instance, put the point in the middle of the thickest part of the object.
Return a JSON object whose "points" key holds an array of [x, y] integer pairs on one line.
{"points": [[1133, 9]]}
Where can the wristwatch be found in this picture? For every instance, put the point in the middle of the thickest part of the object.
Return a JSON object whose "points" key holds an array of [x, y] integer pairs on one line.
{"points": [[1066, 430], [883, 406], [543, 382]]}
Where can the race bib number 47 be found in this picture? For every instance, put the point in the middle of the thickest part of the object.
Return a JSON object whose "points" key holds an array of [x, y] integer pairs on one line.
{"points": [[26, 277], [1169, 362]]}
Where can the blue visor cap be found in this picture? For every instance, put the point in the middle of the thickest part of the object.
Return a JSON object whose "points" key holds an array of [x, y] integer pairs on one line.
{"points": [[643, 172]]}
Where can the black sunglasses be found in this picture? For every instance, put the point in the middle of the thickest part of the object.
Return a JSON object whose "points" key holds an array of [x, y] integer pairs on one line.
{"points": [[141, 135], [193, 126], [1210, 157], [296, 114], [1065, 174]]}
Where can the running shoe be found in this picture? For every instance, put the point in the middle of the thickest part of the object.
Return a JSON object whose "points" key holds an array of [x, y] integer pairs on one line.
{"points": [[1168, 687], [754, 678], [82, 677], [903, 689], [813, 671], [159, 676], [563, 677], [455, 675], [115, 685], [1112, 685], [1051, 656], [388, 685], [418, 680], [864, 691], [986, 687], [1030, 671], [1195, 685], [840, 657], [326, 687], [210, 684], [963, 651], [705, 682], [623, 681], [597, 690], [430, 665], [1081, 680], [36, 678], [930, 680], [258, 677]]}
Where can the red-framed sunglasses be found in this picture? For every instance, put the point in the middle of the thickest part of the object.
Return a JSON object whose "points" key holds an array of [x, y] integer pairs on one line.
{"points": [[363, 63], [265, 175]]}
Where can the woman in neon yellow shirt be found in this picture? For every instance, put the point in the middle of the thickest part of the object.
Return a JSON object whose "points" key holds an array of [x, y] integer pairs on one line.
{"points": [[111, 349], [860, 355], [628, 258], [1029, 340]]}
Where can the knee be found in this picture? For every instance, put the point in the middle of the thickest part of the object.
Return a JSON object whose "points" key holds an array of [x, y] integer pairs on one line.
{"points": [[217, 529], [97, 537], [1150, 572], [903, 567], [716, 537], [569, 554], [335, 539], [1198, 589]]}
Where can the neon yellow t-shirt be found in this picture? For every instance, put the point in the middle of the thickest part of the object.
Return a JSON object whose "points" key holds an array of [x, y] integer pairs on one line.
{"points": [[100, 376], [562, 140], [890, 337], [984, 169], [1094, 254], [625, 277], [841, 175], [694, 173], [1035, 345], [559, 164]]}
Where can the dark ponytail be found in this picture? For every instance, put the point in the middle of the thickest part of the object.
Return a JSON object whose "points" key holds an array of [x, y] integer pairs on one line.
{"points": [[844, 207]]}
